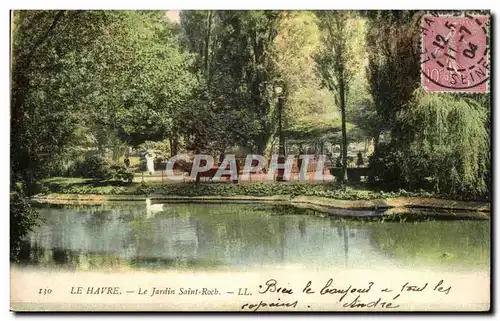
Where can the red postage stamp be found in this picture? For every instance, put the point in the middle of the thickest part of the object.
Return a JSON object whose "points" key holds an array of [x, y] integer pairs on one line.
{"points": [[454, 56]]}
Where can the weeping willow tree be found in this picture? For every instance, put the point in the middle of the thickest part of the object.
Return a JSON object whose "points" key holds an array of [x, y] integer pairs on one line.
{"points": [[445, 139]]}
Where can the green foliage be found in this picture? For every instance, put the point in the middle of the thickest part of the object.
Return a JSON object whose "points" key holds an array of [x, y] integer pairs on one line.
{"points": [[393, 71], [50, 65], [295, 47], [340, 58], [446, 138], [88, 78], [93, 166], [101, 81], [119, 173], [155, 78], [139, 78], [96, 167], [361, 108], [445, 147], [160, 148], [386, 164], [317, 128], [237, 97], [342, 50], [437, 141], [23, 218], [71, 186]]}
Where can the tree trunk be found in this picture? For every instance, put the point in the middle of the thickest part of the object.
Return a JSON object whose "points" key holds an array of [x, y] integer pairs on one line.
{"points": [[197, 152], [261, 146], [376, 141], [207, 44], [281, 142], [174, 146], [344, 131]]}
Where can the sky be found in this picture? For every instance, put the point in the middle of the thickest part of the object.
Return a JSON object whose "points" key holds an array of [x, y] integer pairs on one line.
{"points": [[173, 15]]}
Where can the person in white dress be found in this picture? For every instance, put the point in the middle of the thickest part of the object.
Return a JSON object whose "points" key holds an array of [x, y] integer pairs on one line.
{"points": [[150, 157]]}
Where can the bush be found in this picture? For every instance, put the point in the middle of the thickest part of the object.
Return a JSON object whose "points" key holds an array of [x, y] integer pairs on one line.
{"points": [[446, 143], [385, 165], [120, 173], [98, 168], [244, 189], [394, 167], [23, 218], [359, 160], [93, 166], [143, 166]]}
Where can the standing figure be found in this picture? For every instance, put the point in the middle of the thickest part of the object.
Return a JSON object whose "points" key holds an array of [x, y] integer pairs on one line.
{"points": [[150, 157]]}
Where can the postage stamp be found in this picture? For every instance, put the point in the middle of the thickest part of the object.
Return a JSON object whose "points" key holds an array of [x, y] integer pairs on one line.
{"points": [[454, 56]]}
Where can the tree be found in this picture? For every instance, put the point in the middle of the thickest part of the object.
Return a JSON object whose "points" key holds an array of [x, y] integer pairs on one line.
{"points": [[445, 139], [50, 64], [199, 32], [237, 99], [89, 77], [393, 69], [361, 110], [246, 58], [437, 141], [210, 123], [339, 59], [145, 78], [293, 54], [260, 73]]}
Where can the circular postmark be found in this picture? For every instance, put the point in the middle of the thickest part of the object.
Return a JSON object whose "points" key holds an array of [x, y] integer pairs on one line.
{"points": [[454, 54]]}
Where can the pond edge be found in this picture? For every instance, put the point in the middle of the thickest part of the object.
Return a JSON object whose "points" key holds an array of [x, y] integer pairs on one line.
{"points": [[399, 205]]}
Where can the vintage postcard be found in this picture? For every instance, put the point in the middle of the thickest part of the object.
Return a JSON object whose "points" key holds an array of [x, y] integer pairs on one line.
{"points": [[253, 161]]}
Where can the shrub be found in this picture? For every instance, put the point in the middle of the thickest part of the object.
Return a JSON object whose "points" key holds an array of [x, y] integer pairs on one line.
{"points": [[120, 173], [385, 165], [93, 166], [98, 168], [359, 160], [23, 218]]}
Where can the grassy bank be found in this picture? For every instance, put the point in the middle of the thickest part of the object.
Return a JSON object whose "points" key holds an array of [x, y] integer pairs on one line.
{"points": [[326, 198], [62, 185]]}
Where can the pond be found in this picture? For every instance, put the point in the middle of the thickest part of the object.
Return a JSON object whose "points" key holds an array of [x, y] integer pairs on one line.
{"points": [[125, 236]]}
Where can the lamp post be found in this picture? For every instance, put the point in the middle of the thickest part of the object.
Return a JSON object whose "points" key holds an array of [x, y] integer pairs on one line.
{"points": [[281, 140]]}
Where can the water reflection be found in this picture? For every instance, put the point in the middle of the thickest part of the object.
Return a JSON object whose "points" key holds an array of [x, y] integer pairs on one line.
{"points": [[233, 236]]}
